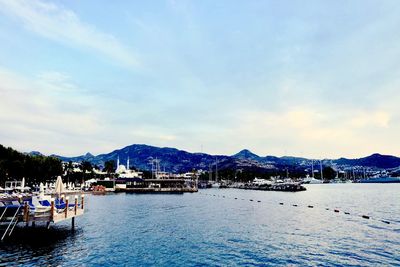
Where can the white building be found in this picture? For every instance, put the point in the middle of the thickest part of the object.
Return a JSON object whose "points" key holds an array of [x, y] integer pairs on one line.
{"points": [[125, 172]]}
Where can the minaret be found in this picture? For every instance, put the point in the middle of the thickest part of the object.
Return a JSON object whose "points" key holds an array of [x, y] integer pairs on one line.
{"points": [[127, 164], [118, 163]]}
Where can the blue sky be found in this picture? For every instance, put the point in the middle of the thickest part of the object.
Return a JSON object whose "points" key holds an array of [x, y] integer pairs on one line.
{"points": [[315, 78]]}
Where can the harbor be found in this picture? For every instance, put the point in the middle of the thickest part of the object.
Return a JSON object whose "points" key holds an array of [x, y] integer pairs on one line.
{"points": [[208, 229]]}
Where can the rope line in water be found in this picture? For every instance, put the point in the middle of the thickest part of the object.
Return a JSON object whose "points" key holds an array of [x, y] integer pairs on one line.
{"points": [[336, 210]]}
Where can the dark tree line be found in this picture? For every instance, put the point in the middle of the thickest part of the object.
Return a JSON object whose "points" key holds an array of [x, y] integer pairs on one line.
{"points": [[15, 165]]}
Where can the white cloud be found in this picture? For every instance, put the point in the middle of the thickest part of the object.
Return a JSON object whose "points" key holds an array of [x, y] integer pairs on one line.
{"points": [[31, 117], [62, 25], [320, 132]]}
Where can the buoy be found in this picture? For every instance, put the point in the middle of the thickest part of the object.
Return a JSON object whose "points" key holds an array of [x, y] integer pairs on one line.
{"points": [[310, 206], [336, 210], [365, 217]]}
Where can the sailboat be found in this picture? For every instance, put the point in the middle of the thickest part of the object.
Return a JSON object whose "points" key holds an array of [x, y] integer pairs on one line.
{"points": [[216, 184], [312, 180]]}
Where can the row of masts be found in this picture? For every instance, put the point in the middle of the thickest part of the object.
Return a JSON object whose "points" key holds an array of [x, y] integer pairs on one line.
{"points": [[211, 171], [347, 174]]}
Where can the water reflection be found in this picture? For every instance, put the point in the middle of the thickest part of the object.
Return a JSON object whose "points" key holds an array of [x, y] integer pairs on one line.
{"points": [[30, 244]]}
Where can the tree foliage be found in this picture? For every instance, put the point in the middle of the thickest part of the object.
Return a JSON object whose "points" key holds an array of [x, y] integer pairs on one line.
{"points": [[109, 166], [15, 165]]}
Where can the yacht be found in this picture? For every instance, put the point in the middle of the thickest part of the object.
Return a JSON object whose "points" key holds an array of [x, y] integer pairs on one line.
{"points": [[258, 181], [311, 180]]}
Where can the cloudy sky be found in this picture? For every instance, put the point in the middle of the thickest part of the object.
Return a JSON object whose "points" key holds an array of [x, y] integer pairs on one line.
{"points": [[315, 78]]}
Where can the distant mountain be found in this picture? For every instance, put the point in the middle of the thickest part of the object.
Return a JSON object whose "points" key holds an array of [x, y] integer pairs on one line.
{"points": [[171, 159], [375, 160], [34, 153], [175, 160], [87, 157], [246, 154]]}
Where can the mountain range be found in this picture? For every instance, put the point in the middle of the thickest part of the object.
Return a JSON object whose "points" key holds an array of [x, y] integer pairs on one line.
{"points": [[175, 160]]}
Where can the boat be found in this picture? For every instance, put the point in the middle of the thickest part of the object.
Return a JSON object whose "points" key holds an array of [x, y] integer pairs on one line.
{"points": [[223, 185], [98, 190], [261, 182], [384, 179], [311, 180], [287, 187], [215, 185]]}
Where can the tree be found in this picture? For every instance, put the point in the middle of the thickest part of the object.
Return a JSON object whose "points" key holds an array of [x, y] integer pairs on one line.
{"points": [[69, 168], [35, 168], [86, 166], [109, 166]]}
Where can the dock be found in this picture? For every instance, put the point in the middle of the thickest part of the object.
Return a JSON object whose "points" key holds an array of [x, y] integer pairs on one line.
{"points": [[157, 186], [23, 211], [159, 190]]}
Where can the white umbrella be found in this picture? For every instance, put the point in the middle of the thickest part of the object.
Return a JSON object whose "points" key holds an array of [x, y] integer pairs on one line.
{"points": [[23, 182], [41, 187], [41, 190], [59, 187]]}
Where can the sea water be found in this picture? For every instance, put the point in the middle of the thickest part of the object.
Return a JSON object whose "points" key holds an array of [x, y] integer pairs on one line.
{"points": [[222, 227]]}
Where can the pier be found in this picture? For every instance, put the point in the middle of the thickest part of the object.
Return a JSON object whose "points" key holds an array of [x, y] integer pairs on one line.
{"points": [[157, 186], [32, 211]]}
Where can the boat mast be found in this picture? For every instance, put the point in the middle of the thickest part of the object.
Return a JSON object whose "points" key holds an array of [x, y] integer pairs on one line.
{"points": [[216, 170], [322, 174], [312, 168]]}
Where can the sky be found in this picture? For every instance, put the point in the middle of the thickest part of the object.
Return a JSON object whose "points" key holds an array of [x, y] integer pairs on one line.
{"points": [[304, 78]]}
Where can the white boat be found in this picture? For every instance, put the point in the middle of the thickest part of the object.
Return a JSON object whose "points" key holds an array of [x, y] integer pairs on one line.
{"points": [[258, 181], [311, 180], [215, 185]]}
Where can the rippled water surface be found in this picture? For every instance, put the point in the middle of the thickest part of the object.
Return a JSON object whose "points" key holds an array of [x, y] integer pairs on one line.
{"points": [[203, 229]]}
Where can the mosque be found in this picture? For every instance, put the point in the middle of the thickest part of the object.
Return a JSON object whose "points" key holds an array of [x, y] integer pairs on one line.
{"points": [[125, 172]]}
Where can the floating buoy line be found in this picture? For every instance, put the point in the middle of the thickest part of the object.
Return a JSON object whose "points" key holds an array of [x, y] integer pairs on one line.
{"points": [[335, 210]]}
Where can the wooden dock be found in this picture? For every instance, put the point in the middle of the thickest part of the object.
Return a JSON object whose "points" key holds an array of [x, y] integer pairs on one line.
{"points": [[56, 214], [53, 213]]}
